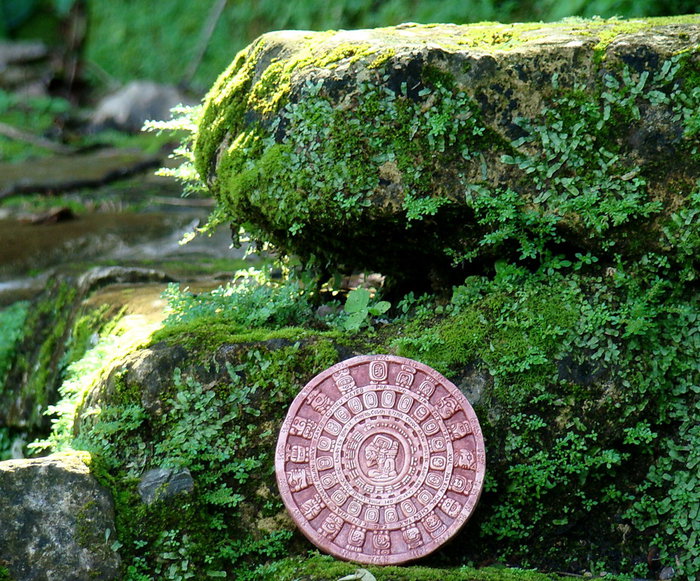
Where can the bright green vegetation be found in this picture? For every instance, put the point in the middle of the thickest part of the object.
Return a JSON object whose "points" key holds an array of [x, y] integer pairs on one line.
{"points": [[588, 404], [225, 434], [46, 328], [12, 324], [36, 115], [581, 358]]}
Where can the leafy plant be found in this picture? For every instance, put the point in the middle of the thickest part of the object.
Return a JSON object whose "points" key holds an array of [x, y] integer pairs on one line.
{"points": [[360, 310]]}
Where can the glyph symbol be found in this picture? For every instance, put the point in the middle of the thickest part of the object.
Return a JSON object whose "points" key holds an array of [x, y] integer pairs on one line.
{"points": [[412, 537], [447, 406], [406, 376], [312, 507], [355, 405], [388, 398], [427, 388], [464, 459], [437, 445], [458, 484], [378, 371], [344, 381], [431, 427], [354, 508], [372, 514], [319, 401], [434, 525], [381, 542], [343, 415], [325, 444], [459, 430], [451, 507], [302, 427], [298, 454], [356, 538], [329, 480], [298, 479], [339, 497], [434, 480], [421, 413], [331, 526]]}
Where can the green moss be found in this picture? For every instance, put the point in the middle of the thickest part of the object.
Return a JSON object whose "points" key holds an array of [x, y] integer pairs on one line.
{"points": [[5, 574], [37, 365], [206, 334], [324, 568], [608, 31]]}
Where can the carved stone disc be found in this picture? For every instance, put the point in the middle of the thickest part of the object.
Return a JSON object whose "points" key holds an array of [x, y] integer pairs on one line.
{"points": [[380, 460]]}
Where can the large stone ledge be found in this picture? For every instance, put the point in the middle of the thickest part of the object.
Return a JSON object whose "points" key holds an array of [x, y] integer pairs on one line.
{"points": [[417, 149]]}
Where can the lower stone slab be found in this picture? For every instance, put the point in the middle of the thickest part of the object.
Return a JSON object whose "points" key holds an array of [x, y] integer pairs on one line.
{"points": [[55, 519]]}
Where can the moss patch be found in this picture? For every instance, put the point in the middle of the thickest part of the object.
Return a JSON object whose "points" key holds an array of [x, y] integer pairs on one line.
{"points": [[324, 568]]}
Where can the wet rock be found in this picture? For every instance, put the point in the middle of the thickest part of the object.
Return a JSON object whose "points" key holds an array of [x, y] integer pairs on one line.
{"points": [[105, 275], [162, 484], [52, 216], [139, 101], [474, 383], [63, 173], [56, 521]]}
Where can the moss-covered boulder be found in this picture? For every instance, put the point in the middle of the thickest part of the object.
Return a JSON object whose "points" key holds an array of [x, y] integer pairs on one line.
{"points": [[423, 152], [56, 521], [584, 379]]}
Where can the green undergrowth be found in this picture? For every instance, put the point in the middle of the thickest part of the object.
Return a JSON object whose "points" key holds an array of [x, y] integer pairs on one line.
{"points": [[37, 362], [224, 433], [34, 114], [584, 378], [580, 359]]}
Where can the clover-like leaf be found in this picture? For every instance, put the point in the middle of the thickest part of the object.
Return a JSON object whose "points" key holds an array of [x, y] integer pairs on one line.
{"points": [[357, 301]]}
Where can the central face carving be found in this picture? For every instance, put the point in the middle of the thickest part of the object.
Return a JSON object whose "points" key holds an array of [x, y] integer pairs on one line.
{"points": [[381, 456]]}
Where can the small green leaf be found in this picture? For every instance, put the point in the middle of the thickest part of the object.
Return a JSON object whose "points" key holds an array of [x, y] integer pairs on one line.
{"points": [[380, 308], [357, 300], [355, 321]]}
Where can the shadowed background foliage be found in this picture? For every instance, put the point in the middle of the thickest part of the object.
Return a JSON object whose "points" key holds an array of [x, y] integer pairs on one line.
{"points": [[179, 41]]}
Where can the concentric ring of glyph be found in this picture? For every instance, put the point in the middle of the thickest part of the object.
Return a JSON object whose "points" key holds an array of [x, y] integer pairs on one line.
{"points": [[380, 460]]}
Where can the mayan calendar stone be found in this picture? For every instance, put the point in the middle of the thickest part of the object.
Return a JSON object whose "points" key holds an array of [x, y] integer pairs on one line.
{"points": [[380, 460]]}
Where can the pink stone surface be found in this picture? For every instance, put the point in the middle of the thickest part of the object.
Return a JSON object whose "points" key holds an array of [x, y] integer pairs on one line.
{"points": [[380, 460]]}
